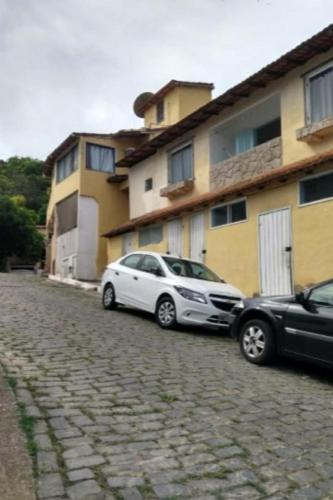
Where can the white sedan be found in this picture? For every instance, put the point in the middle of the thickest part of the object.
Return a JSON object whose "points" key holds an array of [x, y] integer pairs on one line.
{"points": [[176, 290]]}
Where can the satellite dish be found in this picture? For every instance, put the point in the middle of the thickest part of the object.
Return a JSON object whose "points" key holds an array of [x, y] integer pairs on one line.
{"points": [[140, 101]]}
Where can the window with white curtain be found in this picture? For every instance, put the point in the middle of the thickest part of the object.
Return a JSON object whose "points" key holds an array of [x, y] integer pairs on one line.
{"points": [[181, 164], [67, 164], [100, 158], [319, 94]]}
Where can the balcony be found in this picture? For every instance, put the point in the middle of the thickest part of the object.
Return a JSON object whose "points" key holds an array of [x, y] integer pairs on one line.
{"points": [[315, 132], [177, 189], [255, 161]]}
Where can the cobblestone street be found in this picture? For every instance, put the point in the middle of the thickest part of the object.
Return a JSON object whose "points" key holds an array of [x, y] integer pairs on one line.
{"points": [[125, 410]]}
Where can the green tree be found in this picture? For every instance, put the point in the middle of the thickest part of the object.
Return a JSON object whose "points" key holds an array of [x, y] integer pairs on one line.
{"points": [[18, 233], [24, 177]]}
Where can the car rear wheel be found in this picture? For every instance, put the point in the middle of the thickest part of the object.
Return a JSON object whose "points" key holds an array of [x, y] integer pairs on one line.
{"points": [[257, 342], [109, 297], [166, 313]]}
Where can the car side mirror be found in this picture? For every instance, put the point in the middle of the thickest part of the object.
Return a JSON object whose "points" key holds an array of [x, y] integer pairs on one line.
{"points": [[303, 297], [157, 271]]}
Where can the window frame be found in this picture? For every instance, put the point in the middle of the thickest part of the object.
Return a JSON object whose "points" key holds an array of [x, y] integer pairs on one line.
{"points": [[87, 144], [307, 178], [160, 111], [74, 148], [228, 203], [176, 149], [151, 182], [307, 77], [147, 255], [140, 255], [319, 304], [151, 226]]}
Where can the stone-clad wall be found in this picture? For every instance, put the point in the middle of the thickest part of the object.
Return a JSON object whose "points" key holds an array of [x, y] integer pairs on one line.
{"points": [[262, 158]]}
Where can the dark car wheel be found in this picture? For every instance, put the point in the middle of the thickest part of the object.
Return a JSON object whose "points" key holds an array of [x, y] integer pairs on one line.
{"points": [[257, 341], [109, 297], [166, 313]]}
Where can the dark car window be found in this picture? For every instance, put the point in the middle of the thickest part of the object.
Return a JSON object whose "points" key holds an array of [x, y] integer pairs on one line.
{"points": [[322, 295], [131, 260], [150, 264]]}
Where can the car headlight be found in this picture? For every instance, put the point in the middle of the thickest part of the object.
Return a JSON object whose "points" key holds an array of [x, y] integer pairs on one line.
{"points": [[191, 295], [239, 305]]}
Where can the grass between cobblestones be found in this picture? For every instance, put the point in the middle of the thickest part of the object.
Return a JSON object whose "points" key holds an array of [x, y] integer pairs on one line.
{"points": [[26, 422], [27, 425]]}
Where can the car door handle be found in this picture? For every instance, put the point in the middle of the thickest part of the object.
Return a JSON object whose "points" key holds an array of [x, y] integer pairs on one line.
{"points": [[117, 273], [135, 278]]}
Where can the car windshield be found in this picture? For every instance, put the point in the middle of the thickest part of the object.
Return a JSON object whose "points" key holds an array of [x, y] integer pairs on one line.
{"points": [[188, 269]]}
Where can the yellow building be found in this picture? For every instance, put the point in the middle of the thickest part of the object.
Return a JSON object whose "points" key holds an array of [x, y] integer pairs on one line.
{"points": [[89, 195], [244, 182], [82, 203]]}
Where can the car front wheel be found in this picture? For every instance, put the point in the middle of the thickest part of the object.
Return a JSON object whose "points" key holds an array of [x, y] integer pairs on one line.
{"points": [[257, 342], [166, 313], [109, 297]]}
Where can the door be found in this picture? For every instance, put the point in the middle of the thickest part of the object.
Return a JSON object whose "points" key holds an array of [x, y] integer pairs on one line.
{"points": [[309, 325], [149, 282], [175, 237], [197, 237], [275, 252], [124, 279], [127, 243]]}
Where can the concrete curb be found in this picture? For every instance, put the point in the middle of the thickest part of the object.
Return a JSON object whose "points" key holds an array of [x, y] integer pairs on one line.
{"points": [[76, 283]]}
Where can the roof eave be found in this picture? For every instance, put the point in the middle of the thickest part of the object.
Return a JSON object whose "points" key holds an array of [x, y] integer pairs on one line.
{"points": [[280, 174], [298, 56]]}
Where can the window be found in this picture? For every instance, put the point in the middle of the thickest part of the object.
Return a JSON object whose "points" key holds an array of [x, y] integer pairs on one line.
{"points": [[66, 165], [251, 127], [319, 94], [268, 131], [132, 260], [67, 214], [160, 111], [316, 188], [322, 295], [100, 158], [244, 140], [151, 234], [228, 213], [149, 184], [249, 138], [150, 265], [181, 165], [189, 269]]}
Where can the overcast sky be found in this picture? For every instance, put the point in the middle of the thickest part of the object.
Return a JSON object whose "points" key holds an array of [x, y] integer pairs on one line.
{"points": [[77, 65]]}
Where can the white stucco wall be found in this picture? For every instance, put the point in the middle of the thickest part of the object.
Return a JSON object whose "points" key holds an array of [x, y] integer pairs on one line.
{"points": [[76, 250], [88, 213], [66, 253], [142, 202]]}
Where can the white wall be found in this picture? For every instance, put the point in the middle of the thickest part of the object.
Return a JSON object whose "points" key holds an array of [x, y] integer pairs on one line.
{"points": [[142, 202], [66, 253], [76, 250], [87, 238]]}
